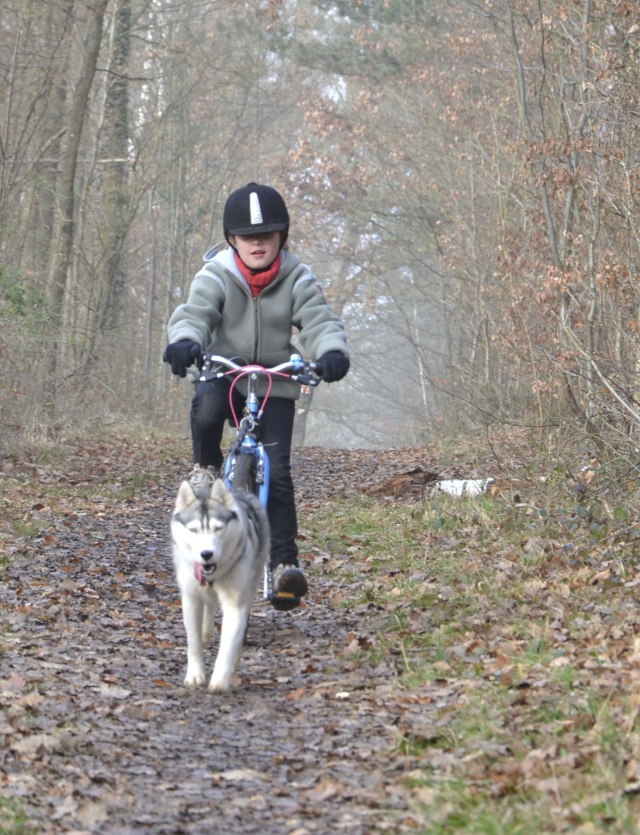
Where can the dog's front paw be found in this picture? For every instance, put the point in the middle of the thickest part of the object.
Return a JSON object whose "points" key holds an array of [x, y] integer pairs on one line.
{"points": [[219, 685], [194, 678]]}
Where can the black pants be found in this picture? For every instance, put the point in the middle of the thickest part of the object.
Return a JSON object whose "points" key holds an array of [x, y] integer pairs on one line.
{"points": [[209, 410]]}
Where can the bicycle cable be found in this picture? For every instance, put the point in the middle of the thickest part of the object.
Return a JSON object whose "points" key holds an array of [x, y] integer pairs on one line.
{"points": [[252, 369]]}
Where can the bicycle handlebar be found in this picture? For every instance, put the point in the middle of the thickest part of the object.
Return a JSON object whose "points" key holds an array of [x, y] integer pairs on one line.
{"points": [[307, 373]]}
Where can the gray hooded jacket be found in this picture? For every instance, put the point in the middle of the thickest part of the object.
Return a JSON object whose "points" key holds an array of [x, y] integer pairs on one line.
{"points": [[223, 316]]}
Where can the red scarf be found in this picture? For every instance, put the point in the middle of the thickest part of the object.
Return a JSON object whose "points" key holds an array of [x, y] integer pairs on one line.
{"points": [[257, 281]]}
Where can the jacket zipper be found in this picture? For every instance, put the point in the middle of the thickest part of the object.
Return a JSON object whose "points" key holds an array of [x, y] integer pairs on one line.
{"points": [[256, 317], [256, 320]]}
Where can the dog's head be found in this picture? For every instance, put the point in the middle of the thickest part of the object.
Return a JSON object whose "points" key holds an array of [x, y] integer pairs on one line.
{"points": [[202, 527]]}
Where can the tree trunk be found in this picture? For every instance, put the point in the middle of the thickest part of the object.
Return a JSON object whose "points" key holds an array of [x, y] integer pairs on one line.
{"points": [[115, 168], [88, 36]]}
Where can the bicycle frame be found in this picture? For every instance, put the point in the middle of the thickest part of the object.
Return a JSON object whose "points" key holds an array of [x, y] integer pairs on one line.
{"points": [[247, 443], [247, 440]]}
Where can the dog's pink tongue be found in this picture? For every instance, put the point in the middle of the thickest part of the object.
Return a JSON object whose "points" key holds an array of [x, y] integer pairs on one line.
{"points": [[197, 570]]}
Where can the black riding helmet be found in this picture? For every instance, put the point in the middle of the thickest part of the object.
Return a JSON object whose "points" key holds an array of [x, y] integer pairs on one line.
{"points": [[255, 208]]}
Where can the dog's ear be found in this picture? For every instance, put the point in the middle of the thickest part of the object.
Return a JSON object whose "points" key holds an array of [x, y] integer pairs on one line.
{"points": [[221, 493], [185, 496]]}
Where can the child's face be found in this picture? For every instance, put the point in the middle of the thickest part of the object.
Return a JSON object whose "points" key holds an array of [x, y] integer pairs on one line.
{"points": [[257, 251]]}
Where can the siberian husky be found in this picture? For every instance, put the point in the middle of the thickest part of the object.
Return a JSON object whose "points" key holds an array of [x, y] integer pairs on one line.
{"points": [[220, 546]]}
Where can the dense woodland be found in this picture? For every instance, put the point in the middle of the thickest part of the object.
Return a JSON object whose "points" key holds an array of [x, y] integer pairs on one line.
{"points": [[462, 175]]}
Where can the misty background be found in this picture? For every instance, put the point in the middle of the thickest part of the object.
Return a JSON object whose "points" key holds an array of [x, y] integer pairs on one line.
{"points": [[462, 177]]}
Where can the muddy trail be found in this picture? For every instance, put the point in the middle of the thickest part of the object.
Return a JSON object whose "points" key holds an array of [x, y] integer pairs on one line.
{"points": [[99, 735]]}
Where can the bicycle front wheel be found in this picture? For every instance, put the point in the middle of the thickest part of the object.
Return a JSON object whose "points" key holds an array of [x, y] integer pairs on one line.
{"points": [[244, 474]]}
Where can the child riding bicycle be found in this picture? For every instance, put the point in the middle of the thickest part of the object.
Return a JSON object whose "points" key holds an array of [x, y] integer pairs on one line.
{"points": [[243, 304]]}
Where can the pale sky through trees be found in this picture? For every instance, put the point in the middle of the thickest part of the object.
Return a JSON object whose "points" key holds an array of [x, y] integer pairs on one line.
{"points": [[461, 176]]}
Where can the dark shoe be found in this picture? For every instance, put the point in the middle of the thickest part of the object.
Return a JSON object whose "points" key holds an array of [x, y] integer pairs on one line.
{"points": [[289, 586]]}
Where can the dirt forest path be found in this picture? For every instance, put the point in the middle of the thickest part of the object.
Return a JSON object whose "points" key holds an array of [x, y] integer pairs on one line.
{"points": [[97, 733]]}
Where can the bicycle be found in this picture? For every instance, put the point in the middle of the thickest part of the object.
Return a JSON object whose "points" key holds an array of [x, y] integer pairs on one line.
{"points": [[247, 463]]}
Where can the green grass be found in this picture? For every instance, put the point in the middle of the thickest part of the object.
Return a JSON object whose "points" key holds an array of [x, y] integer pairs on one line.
{"points": [[13, 820], [29, 528], [523, 614]]}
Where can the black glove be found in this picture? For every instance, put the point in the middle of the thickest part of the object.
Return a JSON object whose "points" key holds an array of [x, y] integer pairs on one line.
{"points": [[181, 355], [334, 365]]}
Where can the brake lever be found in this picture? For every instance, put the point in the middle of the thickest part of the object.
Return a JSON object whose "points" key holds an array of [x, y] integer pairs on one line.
{"points": [[307, 378], [206, 370]]}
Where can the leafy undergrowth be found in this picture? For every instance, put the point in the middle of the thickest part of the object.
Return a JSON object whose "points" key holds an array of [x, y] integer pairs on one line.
{"points": [[463, 665]]}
